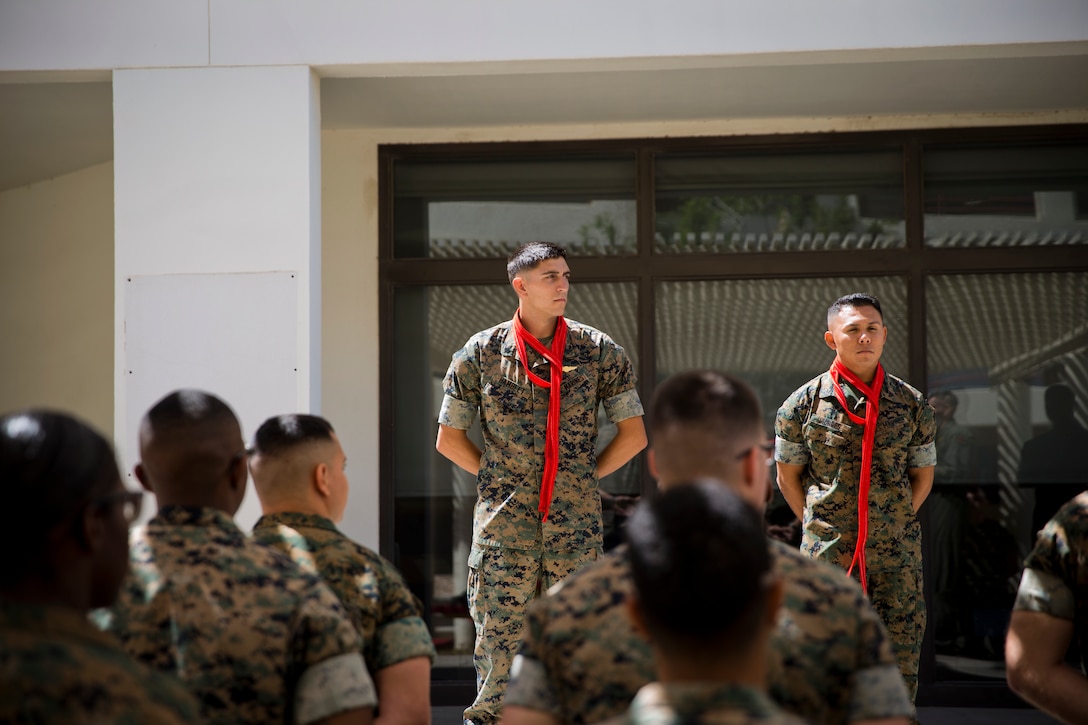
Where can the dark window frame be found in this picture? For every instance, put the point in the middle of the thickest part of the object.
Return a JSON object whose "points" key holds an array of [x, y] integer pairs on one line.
{"points": [[645, 268]]}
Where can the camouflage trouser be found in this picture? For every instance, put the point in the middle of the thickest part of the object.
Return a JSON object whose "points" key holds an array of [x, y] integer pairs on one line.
{"points": [[896, 595], [501, 582]]}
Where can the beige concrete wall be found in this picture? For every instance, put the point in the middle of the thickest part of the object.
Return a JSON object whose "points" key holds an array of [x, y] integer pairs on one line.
{"points": [[56, 295]]}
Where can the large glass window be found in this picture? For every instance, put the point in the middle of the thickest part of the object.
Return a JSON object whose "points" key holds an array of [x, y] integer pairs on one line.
{"points": [[995, 196], [668, 234], [1008, 378], [779, 202], [486, 208]]}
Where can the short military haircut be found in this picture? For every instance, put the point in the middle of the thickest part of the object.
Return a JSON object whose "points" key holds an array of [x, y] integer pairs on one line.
{"points": [[188, 408], [283, 432], [710, 400], [700, 567], [854, 299], [51, 466], [530, 254]]}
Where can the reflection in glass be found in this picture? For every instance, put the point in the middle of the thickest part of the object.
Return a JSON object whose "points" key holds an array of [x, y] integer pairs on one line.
{"points": [[1000, 347], [486, 208], [777, 202], [434, 498], [1000, 197]]}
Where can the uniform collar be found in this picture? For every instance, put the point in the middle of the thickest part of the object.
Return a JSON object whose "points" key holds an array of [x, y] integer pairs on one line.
{"points": [[295, 520], [197, 516], [53, 622]]}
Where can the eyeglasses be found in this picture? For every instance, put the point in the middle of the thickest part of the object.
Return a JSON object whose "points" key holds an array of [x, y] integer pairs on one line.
{"points": [[766, 447], [132, 503]]}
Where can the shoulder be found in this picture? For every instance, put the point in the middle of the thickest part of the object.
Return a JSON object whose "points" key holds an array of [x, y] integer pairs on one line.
{"points": [[901, 391], [581, 334], [591, 589], [809, 578]]}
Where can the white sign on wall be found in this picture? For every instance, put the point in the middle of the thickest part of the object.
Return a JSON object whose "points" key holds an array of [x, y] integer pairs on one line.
{"points": [[233, 335]]}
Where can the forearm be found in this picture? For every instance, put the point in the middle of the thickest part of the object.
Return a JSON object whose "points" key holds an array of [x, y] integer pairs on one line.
{"points": [[789, 482], [1035, 666], [1059, 691], [921, 483], [454, 444], [630, 439]]}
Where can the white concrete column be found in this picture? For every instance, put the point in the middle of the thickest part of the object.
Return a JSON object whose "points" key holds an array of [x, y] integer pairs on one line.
{"points": [[217, 183]]}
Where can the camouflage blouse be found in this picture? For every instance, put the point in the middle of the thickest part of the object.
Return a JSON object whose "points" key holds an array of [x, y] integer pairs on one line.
{"points": [[485, 377]]}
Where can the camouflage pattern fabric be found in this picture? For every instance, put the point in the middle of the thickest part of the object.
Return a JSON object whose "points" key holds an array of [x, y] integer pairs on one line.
{"points": [[813, 430], [501, 582], [384, 611], [255, 638], [486, 378], [712, 704], [59, 669], [582, 660], [1055, 578]]}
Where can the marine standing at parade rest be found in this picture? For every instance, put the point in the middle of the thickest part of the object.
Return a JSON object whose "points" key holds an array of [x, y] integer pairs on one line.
{"points": [[298, 467], [582, 659], [66, 552], [855, 452], [253, 636], [536, 382]]}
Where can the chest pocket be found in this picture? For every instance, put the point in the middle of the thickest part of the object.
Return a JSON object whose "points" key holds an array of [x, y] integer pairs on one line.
{"points": [[826, 432], [576, 389], [505, 397]]}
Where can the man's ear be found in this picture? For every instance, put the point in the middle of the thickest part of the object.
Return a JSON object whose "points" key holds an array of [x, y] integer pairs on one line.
{"points": [[321, 479], [519, 286], [239, 473], [91, 529], [142, 477], [830, 340], [776, 592]]}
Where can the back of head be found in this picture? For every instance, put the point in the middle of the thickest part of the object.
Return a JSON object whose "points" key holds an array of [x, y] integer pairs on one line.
{"points": [[700, 421], [531, 254], [1059, 403], [51, 466], [700, 567], [190, 446], [854, 299], [284, 452]]}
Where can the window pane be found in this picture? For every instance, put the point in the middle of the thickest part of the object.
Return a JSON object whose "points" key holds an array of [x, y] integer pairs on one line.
{"points": [[778, 202], [433, 498], [995, 197], [486, 208], [998, 343]]}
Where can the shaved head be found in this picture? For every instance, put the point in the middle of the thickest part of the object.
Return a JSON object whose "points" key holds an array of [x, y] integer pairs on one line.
{"points": [[190, 447]]}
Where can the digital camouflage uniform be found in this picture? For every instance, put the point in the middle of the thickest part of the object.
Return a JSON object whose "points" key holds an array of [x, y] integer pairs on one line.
{"points": [[813, 430], [255, 638], [384, 611], [582, 660], [703, 703], [56, 668], [1055, 578], [513, 552]]}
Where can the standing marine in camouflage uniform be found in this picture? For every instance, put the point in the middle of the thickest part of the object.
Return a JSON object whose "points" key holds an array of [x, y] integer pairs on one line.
{"points": [[706, 596], [840, 451], [1051, 611], [255, 638], [66, 552], [582, 660], [536, 382], [298, 468]]}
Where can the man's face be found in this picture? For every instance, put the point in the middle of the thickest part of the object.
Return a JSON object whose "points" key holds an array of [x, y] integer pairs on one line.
{"points": [[857, 335], [544, 288]]}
